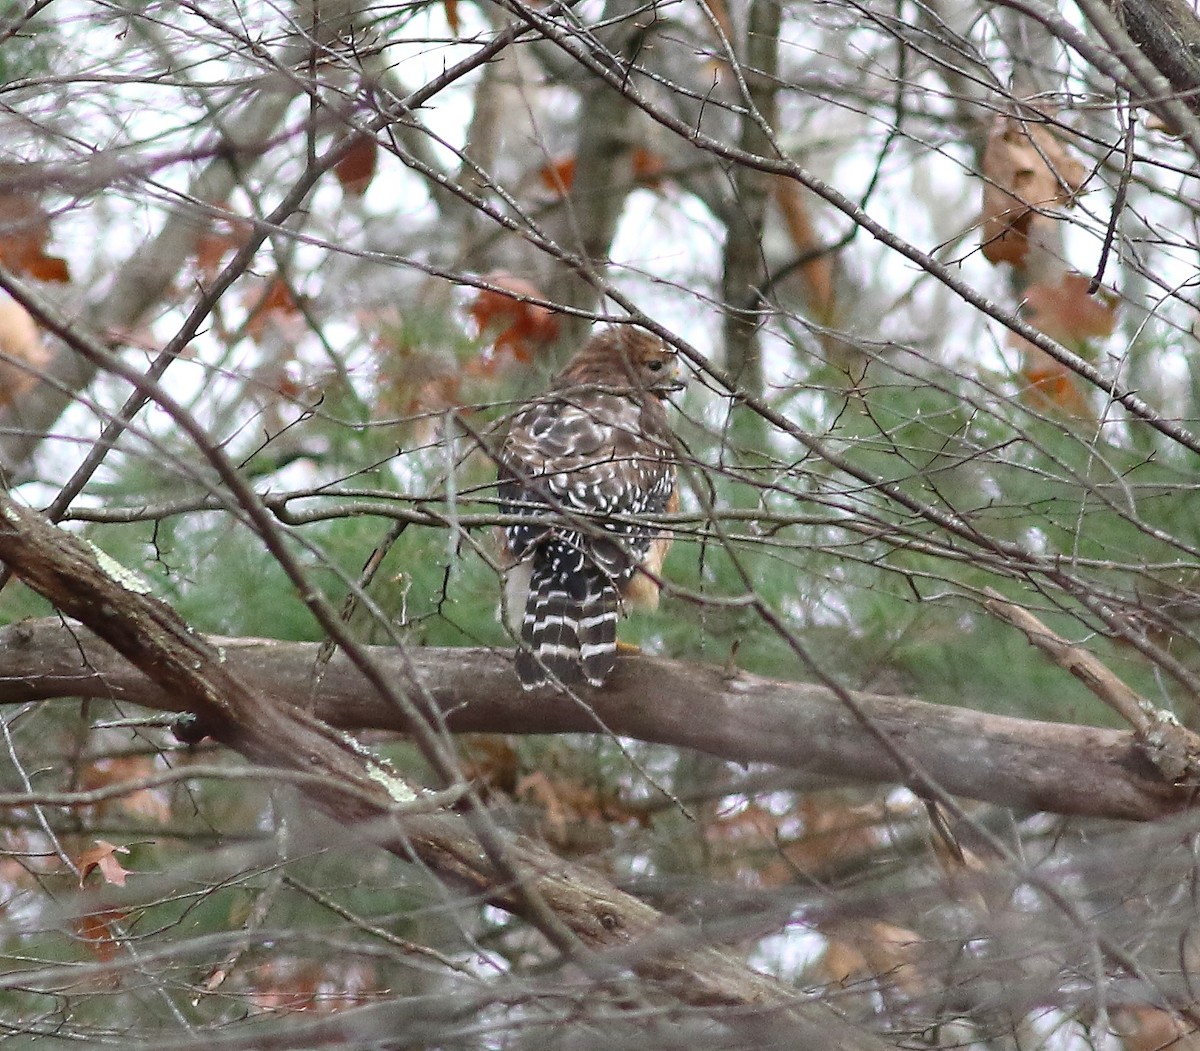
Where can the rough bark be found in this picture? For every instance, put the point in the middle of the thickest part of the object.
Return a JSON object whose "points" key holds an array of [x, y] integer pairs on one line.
{"points": [[1168, 34], [745, 269], [199, 676], [1022, 763]]}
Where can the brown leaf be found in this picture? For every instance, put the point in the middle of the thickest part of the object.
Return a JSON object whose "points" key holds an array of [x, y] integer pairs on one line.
{"points": [[522, 329], [451, 9], [94, 929], [1065, 312], [219, 236], [24, 232], [47, 268], [558, 176], [1050, 384], [276, 300], [1025, 168], [20, 346], [356, 169], [649, 168], [25, 229], [874, 949], [817, 272], [101, 857], [150, 803], [1145, 1028]]}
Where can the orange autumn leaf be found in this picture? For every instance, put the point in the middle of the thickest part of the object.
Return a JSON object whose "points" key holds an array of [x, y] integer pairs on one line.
{"points": [[646, 168], [1142, 1027], [649, 168], [451, 9], [24, 232], [522, 328], [94, 929], [103, 857], [356, 169], [1066, 313], [1049, 384], [276, 300], [22, 353], [1025, 168], [874, 949], [817, 273], [219, 237], [46, 268], [559, 175], [150, 803], [1053, 384]]}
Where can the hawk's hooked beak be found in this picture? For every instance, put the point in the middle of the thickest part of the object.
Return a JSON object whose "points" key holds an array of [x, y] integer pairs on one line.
{"points": [[673, 383]]}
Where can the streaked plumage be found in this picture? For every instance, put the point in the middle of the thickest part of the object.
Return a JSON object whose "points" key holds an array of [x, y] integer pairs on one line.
{"points": [[598, 443]]}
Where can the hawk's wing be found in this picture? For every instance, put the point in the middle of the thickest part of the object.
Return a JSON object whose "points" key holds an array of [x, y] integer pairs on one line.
{"points": [[589, 453]]}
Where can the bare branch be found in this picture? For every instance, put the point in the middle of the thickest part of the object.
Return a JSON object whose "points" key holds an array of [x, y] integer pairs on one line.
{"points": [[1063, 768]]}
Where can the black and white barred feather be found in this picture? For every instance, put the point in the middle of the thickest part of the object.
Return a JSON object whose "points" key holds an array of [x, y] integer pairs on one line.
{"points": [[597, 445]]}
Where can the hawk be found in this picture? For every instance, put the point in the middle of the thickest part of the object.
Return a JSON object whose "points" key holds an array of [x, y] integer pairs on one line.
{"points": [[590, 453]]}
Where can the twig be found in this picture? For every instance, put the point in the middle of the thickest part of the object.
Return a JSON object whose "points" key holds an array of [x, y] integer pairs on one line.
{"points": [[1174, 750]]}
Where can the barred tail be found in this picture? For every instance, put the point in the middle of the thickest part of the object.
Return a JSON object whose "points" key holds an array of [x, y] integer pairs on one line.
{"points": [[569, 631]]}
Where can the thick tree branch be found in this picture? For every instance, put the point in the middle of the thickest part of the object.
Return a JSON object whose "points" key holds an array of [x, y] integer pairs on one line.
{"points": [[200, 676], [1014, 762]]}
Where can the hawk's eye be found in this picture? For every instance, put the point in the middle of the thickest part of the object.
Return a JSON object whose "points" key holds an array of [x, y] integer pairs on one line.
{"points": [[654, 366]]}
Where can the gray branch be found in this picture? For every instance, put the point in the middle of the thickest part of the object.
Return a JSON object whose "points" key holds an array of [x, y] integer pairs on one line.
{"points": [[1063, 768]]}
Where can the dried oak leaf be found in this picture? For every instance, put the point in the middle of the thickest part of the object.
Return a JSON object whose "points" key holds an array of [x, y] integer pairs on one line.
{"points": [[274, 302], [649, 168], [559, 175], [1050, 384], [1142, 1027], [1025, 168], [153, 804], [103, 857], [22, 353], [817, 273], [24, 233], [859, 950], [1065, 312], [522, 328], [356, 169], [220, 236], [94, 929]]}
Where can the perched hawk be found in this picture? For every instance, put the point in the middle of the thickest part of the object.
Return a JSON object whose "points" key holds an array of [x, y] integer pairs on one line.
{"points": [[597, 444]]}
